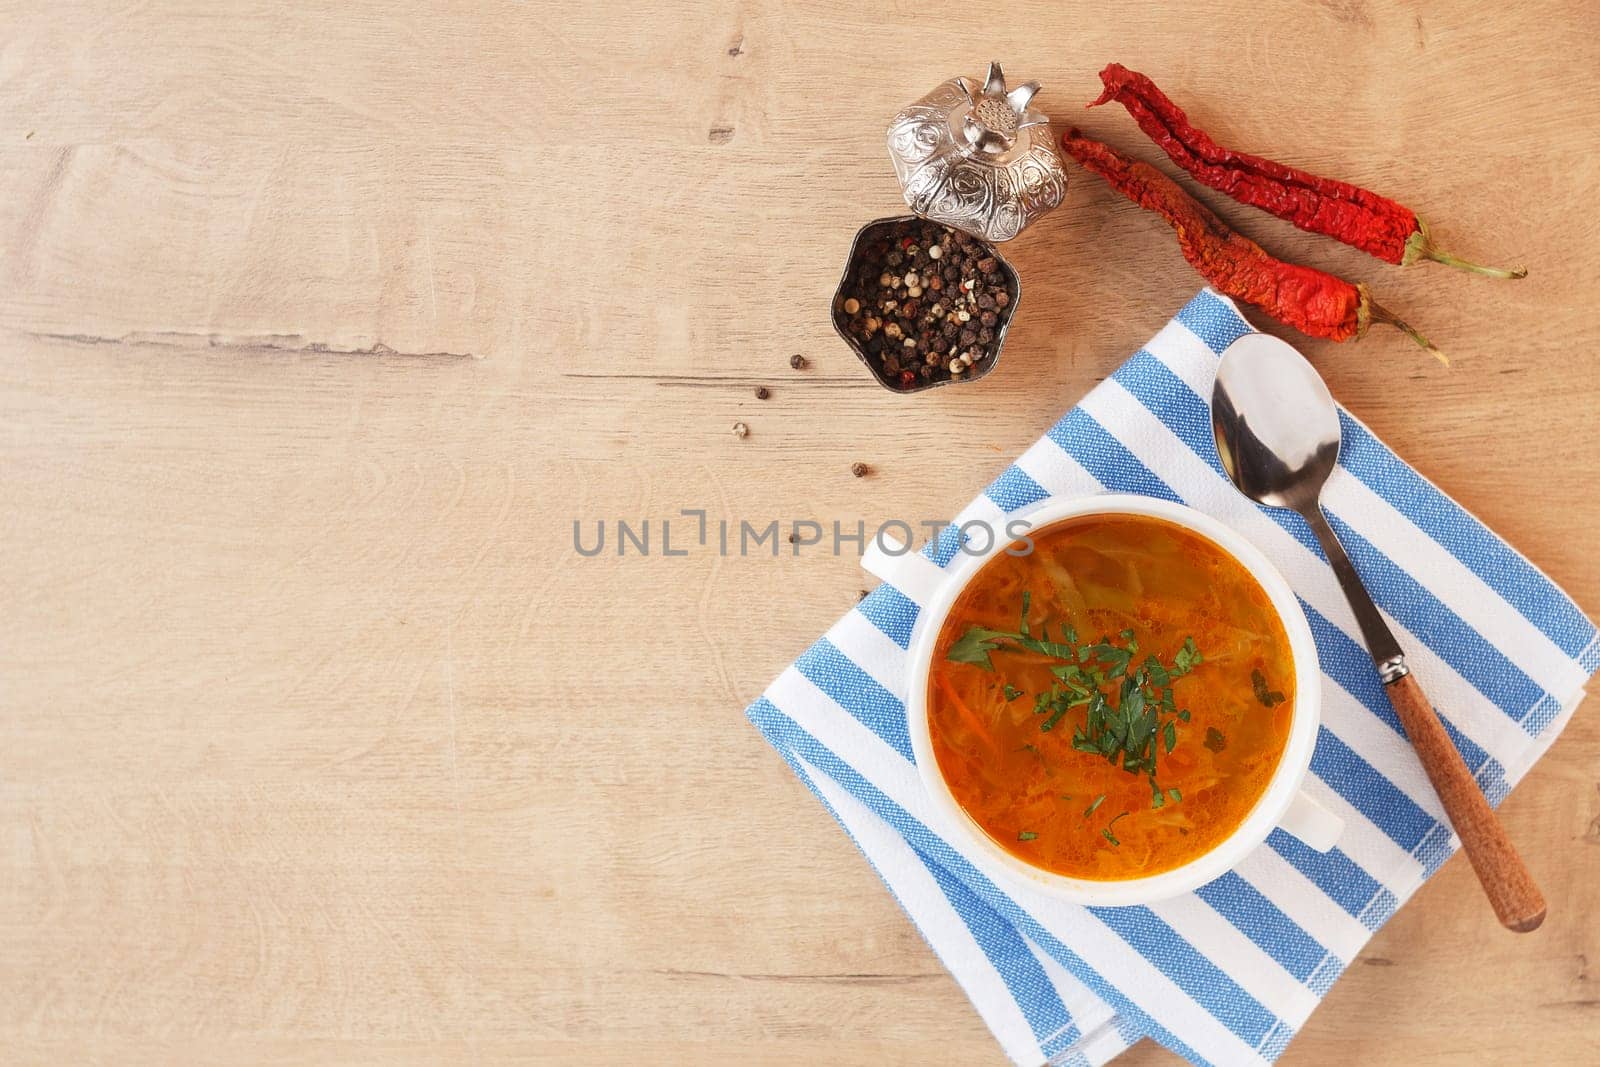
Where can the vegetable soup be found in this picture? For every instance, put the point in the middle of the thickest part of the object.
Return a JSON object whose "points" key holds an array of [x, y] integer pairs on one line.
{"points": [[1112, 703]]}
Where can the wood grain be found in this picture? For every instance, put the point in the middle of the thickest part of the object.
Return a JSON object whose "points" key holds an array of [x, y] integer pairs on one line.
{"points": [[322, 322]]}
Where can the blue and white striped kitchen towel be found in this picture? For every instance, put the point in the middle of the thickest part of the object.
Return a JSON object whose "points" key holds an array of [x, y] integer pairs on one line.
{"points": [[1229, 973]]}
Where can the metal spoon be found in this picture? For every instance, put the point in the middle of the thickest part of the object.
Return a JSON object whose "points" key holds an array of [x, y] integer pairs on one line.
{"points": [[1277, 432]]}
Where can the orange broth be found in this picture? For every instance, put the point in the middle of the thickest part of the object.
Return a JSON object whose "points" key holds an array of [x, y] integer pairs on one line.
{"points": [[1103, 574]]}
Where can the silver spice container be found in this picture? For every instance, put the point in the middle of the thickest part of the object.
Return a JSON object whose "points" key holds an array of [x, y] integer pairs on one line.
{"points": [[875, 231], [979, 160], [982, 161]]}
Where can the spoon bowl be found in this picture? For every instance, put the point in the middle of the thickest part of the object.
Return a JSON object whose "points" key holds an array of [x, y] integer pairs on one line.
{"points": [[1275, 423]]}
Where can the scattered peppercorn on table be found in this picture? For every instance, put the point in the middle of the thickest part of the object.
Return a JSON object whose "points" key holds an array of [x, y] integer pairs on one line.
{"points": [[322, 737]]}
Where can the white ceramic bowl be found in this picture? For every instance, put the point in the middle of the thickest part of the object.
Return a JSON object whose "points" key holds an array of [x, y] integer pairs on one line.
{"points": [[1282, 804]]}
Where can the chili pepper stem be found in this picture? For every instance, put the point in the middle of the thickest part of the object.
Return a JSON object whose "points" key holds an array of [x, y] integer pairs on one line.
{"points": [[1375, 312], [1420, 246]]}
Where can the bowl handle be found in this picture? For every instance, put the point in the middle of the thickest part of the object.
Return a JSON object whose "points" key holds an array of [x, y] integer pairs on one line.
{"points": [[1316, 826], [891, 559]]}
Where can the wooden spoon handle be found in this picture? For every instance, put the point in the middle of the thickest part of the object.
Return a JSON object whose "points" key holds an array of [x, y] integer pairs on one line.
{"points": [[1510, 888]]}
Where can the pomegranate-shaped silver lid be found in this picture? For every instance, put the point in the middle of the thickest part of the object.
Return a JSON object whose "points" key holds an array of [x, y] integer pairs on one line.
{"points": [[982, 161]]}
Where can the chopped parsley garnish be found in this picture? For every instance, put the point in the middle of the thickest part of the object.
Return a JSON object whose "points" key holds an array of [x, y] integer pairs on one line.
{"points": [[1026, 835], [1268, 697], [1130, 716]]}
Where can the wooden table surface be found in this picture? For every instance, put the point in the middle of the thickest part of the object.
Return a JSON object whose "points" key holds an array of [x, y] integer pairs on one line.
{"points": [[321, 323]]}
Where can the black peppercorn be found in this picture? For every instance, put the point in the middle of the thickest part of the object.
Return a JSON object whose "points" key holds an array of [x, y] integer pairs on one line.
{"points": [[921, 303]]}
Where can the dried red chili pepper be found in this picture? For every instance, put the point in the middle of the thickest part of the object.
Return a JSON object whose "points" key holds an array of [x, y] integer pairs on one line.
{"points": [[1312, 301], [1359, 217]]}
